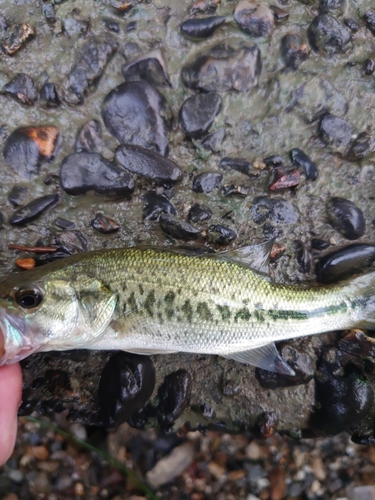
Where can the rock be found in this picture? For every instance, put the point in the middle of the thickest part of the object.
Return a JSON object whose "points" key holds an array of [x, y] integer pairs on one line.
{"points": [[336, 133], [276, 210], [122, 6], [64, 223], [16, 37], [361, 147], [83, 172], [73, 27], [111, 25], [300, 159], [370, 20], [32, 210], [294, 50], [49, 13], [198, 113], [255, 19], [358, 344], [319, 244], [303, 256], [150, 68], [89, 65], [3, 23], [126, 384], [283, 178], [172, 465], [328, 5], [18, 195], [232, 64], [48, 97], [212, 142], [198, 29], [239, 164], [234, 190], [204, 6], [351, 24], [206, 182], [274, 161], [155, 205], [89, 138], [199, 213], [369, 67], [177, 228], [280, 15], [22, 89], [174, 397], [70, 243], [104, 224], [341, 264], [148, 164], [346, 218], [27, 147], [316, 97], [326, 34], [136, 113], [221, 235]]}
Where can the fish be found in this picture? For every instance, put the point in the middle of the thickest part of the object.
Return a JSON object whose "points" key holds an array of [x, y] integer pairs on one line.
{"points": [[149, 300]]}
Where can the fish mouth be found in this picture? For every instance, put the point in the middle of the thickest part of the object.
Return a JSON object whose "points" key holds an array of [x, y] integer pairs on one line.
{"points": [[14, 344]]}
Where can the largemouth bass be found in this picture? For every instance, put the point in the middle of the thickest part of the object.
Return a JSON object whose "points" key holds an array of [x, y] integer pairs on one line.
{"points": [[150, 300]]}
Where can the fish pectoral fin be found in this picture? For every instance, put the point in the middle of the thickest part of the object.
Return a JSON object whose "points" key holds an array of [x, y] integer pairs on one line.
{"points": [[149, 352], [256, 257], [266, 357]]}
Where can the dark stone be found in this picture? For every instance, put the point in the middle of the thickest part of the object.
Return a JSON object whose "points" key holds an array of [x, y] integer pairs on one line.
{"points": [[255, 19], [57, 381], [213, 141], [274, 161], [370, 20], [327, 5], [111, 25], [104, 224], [204, 7], [49, 13], [282, 178], [270, 232], [132, 26], [300, 363], [362, 146], [294, 50], [369, 66], [22, 88], [267, 424], [276, 210], [155, 205], [229, 387], [126, 384], [121, 6], [233, 190], [221, 235], [206, 182], [335, 132], [3, 23], [136, 113], [303, 256], [89, 138], [131, 51], [318, 244], [199, 213], [327, 34], [64, 223], [148, 164], [279, 15], [16, 37], [33, 209], [174, 396], [70, 242], [150, 68], [351, 24], [198, 113], [346, 218], [358, 344], [48, 97], [18, 195], [239, 164], [1, 220], [73, 27], [203, 27], [89, 65], [83, 172], [345, 262], [177, 228], [233, 64], [300, 159]]}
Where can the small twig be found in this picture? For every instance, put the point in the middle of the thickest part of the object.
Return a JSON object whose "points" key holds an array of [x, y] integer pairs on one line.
{"points": [[105, 455], [25, 248]]}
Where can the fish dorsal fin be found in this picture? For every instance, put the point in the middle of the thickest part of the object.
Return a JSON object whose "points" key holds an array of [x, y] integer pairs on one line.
{"points": [[256, 257], [265, 356]]}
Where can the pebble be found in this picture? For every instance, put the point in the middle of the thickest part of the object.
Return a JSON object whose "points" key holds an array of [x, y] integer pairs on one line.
{"points": [[206, 182], [271, 161], [32, 210], [255, 19], [29, 263], [233, 190], [232, 64], [48, 97], [370, 20], [150, 68], [16, 37], [221, 235], [104, 224], [172, 465], [22, 88], [83, 172], [336, 133], [198, 113], [174, 396], [327, 34], [73, 27], [204, 6], [351, 24], [282, 179], [319, 244], [18, 195], [69, 243], [300, 159], [176, 228], [137, 113], [199, 213], [345, 262], [303, 256], [294, 50], [156, 205], [346, 218], [198, 29], [49, 13], [89, 138], [64, 223], [280, 15], [148, 164], [276, 210], [212, 142], [111, 25], [239, 164], [369, 67], [89, 65], [361, 147]]}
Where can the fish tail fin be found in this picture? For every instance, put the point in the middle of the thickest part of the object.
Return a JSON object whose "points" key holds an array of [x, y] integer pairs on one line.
{"points": [[364, 296]]}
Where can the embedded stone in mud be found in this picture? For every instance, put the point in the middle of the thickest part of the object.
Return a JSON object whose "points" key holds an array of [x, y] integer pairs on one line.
{"points": [[198, 29], [327, 34], [178, 228], [336, 133], [294, 50], [137, 113], [198, 113], [206, 182], [174, 396], [48, 97], [156, 205], [300, 159], [346, 218], [199, 213], [232, 64], [221, 235], [255, 19], [33, 209], [89, 138], [148, 164], [212, 142], [239, 164], [22, 88], [362, 146], [16, 37], [104, 224], [150, 68], [276, 210], [83, 172]]}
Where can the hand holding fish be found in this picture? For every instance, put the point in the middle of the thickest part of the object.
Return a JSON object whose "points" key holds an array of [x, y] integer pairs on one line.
{"points": [[10, 398]]}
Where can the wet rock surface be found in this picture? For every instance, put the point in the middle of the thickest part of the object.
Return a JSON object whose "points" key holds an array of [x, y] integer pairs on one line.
{"points": [[22, 88], [206, 182], [150, 68], [255, 19], [202, 28], [198, 113], [346, 218]]}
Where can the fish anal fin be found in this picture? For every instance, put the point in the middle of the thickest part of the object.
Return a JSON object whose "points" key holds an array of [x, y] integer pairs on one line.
{"points": [[266, 357]]}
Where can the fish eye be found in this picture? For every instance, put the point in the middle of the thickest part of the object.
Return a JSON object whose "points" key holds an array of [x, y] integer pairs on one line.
{"points": [[28, 298]]}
